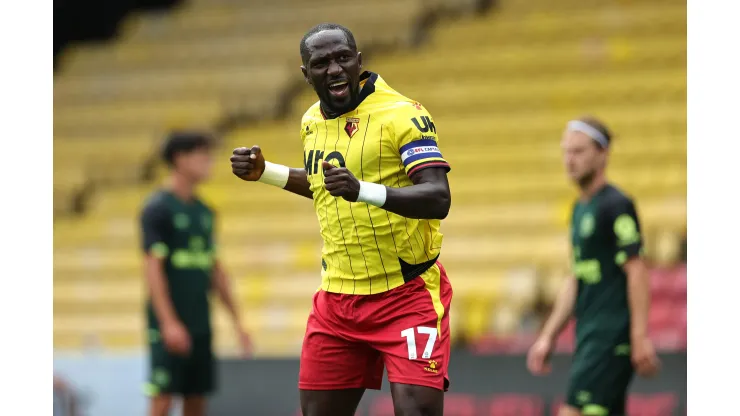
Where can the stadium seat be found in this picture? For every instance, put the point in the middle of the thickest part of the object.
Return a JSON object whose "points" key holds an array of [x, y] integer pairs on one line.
{"points": [[500, 87], [652, 405], [516, 405]]}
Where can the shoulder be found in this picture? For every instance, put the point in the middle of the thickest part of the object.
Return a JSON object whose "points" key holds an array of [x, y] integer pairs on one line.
{"points": [[157, 200], [410, 116], [395, 106], [615, 196], [156, 205], [614, 202], [205, 206], [312, 114], [310, 117]]}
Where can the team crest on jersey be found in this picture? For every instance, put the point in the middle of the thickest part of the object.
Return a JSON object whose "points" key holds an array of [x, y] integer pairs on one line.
{"points": [[587, 225], [352, 126], [417, 105], [182, 221]]}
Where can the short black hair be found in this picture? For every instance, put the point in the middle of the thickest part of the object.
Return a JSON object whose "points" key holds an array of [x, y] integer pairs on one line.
{"points": [[178, 142], [306, 54], [600, 126]]}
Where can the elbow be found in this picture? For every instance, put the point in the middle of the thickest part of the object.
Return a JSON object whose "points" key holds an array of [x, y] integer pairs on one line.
{"points": [[442, 207]]}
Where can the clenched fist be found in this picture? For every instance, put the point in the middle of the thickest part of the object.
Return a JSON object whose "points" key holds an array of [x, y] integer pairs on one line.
{"points": [[248, 164], [340, 182]]}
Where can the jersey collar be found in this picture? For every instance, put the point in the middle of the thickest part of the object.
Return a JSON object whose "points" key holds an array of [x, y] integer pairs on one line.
{"points": [[367, 87]]}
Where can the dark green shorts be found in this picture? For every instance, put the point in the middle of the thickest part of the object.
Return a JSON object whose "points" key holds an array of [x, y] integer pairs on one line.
{"points": [[194, 375], [599, 378]]}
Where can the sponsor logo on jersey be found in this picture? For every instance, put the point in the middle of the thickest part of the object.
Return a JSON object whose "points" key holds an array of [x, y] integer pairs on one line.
{"points": [[432, 367], [424, 124]]}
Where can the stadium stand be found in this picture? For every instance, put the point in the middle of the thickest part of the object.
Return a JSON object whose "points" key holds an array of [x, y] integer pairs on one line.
{"points": [[500, 87]]}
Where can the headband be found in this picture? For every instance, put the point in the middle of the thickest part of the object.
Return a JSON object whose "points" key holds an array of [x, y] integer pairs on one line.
{"points": [[590, 131]]}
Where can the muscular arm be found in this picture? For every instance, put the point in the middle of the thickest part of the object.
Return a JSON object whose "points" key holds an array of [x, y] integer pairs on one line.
{"points": [[428, 198], [562, 310], [159, 290], [638, 289], [222, 285]]}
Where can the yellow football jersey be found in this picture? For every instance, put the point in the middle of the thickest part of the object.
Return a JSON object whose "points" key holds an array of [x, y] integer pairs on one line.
{"points": [[384, 140]]}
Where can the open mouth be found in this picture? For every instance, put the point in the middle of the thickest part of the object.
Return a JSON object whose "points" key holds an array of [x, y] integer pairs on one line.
{"points": [[339, 89]]}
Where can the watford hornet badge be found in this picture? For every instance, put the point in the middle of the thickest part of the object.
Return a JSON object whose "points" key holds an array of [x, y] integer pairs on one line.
{"points": [[352, 126]]}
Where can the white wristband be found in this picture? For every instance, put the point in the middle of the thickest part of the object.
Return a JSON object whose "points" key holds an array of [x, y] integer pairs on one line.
{"points": [[372, 193], [276, 175]]}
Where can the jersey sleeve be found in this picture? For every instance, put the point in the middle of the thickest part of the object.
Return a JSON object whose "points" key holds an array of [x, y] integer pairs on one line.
{"points": [[213, 235], [625, 227], [416, 139], [155, 229]]}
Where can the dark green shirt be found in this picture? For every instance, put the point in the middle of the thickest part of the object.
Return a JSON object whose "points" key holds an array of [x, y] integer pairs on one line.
{"points": [[181, 233], [605, 233]]}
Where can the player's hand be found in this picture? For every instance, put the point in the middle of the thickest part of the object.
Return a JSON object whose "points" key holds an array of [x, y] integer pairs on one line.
{"points": [[538, 358], [248, 163], [340, 182], [245, 343], [644, 358], [176, 338]]}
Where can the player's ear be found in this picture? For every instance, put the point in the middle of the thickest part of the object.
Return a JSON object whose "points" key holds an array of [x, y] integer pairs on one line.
{"points": [[359, 59], [603, 156], [305, 74]]}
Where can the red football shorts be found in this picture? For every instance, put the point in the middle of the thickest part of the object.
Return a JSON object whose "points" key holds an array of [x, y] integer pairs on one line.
{"points": [[351, 338]]}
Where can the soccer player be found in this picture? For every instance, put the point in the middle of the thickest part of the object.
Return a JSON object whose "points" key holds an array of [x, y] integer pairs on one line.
{"points": [[379, 187], [609, 293], [181, 269]]}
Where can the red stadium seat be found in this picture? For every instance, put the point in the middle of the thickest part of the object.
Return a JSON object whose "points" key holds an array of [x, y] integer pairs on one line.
{"points": [[566, 341], [516, 405], [662, 315], [661, 286], [682, 317], [382, 406], [668, 283], [660, 404], [514, 344], [669, 339], [460, 405], [455, 405], [299, 412], [680, 284]]}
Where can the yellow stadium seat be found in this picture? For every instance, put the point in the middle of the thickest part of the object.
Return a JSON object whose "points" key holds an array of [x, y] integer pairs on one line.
{"points": [[500, 86]]}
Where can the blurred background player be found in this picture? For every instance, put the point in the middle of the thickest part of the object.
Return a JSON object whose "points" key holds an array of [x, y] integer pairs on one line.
{"points": [[609, 294], [384, 298], [181, 269]]}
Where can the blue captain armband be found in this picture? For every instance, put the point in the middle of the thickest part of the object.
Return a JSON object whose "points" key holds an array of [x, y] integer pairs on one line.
{"points": [[421, 154]]}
